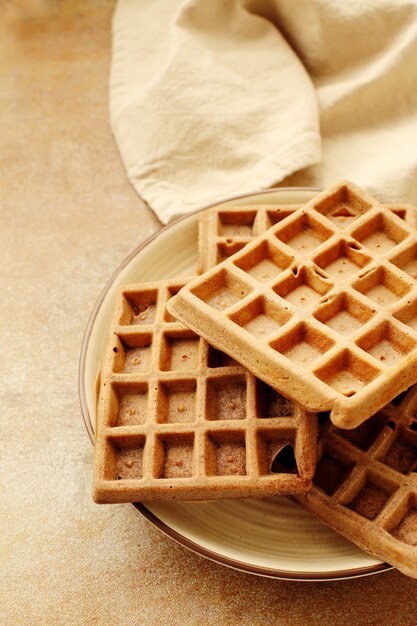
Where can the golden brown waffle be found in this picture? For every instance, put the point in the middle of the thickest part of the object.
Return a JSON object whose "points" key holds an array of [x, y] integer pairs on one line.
{"points": [[322, 306], [178, 419], [224, 230], [365, 485]]}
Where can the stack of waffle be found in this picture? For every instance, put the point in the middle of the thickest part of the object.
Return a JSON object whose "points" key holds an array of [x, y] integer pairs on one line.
{"points": [[285, 367]]}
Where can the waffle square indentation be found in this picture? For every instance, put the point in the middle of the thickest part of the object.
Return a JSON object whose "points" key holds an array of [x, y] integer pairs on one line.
{"points": [[179, 351], [342, 207], [222, 290], [332, 471], [342, 259], [226, 398], [270, 403], [402, 454], [139, 308], [129, 404], [347, 373], [264, 262], [303, 344], [275, 452], [124, 458], [380, 233], [277, 215], [237, 224], [174, 455], [344, 314], [371, 498], [387, 343], [303, 233], [302, 287], [261, 318], [176, 401], [133, 353], [382, 286], [228, 247], [225, 453]]}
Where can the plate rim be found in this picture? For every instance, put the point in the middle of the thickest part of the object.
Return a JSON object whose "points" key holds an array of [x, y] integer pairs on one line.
{"points": [[162, 526]]}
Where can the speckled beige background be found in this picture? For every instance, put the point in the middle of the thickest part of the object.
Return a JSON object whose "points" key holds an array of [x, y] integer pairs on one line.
{"points": [[68, 217]]}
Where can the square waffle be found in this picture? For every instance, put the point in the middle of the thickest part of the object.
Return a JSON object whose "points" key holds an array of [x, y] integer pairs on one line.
{"points": [[177, 419], [365, 485], [322, 306]]}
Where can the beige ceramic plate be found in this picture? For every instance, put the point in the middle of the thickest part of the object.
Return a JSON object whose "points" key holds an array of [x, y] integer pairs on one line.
{"points": [[271, 537]]}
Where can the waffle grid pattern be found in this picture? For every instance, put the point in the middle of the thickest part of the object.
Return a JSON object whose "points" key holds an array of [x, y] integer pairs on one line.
{"points": [[225, 230], [178, 419], [322, 306], [365, 485]]}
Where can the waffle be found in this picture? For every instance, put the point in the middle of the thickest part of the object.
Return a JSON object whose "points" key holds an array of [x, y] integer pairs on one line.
{"points": [[226, 229], [177, 419], [322, 306], [365, 485]]}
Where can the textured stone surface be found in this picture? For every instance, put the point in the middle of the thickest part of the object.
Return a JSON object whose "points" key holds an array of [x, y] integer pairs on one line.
{"points": [[68, 217]]}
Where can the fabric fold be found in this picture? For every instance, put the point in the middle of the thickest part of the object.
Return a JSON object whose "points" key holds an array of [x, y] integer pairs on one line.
{"points": [[219, 98], [207, 100]]}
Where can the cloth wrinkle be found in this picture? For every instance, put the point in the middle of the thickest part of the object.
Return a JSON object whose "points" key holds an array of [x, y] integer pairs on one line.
{"points": [[209, 100]]}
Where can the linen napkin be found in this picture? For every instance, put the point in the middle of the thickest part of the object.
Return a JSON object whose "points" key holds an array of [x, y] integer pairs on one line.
{"points": [[212, 98]]}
